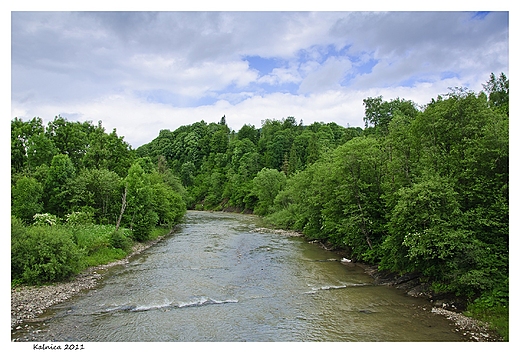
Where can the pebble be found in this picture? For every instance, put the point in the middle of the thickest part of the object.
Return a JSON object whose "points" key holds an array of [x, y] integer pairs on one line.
{"points": [[27, 302]]}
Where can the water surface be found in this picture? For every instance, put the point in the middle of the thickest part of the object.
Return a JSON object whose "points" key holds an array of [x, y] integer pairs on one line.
{"points": [[217, 279]]}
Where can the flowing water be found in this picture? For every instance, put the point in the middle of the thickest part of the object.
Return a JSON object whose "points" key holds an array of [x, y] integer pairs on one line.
{"points": [[217, 279]]}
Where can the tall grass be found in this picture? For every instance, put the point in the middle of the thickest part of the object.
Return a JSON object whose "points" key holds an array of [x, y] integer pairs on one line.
{"points": [[49, 253], [99, 244]]}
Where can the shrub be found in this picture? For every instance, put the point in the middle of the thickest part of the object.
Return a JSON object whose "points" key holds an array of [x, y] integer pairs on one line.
{"points": [[119, 240], [42, 254], [45, 219], [143, 225], [79, 218]]}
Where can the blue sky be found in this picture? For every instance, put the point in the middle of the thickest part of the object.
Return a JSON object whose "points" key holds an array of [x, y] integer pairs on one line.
{"points": [[141, 72]]}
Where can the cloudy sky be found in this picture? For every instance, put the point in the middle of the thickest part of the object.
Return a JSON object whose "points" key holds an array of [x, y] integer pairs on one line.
{"points": [[141, 72]]}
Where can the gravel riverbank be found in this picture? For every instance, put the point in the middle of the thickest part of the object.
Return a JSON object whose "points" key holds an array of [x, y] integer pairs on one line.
{"points": [[28, 302]]}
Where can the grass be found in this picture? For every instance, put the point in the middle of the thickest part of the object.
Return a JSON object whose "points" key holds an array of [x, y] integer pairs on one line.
{"points": [[158, 232], [497, 317], [72, 248], [97, 245]]}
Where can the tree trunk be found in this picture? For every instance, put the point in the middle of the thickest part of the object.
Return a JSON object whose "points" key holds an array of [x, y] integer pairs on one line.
{"points": [[123, 206]]}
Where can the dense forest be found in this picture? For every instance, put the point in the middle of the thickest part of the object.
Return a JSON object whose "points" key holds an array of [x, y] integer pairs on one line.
{"points": [[80, 197], [420, 189]]}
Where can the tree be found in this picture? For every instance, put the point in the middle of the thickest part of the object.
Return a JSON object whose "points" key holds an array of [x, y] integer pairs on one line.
{"points": [[70, 138], [108, 151], [26, 199], [497, 89], [266, 186], [140, 213], [423, 227], [249, 132], [379, 113], [21, 133], [166, 202], [96, 190], [40, 150], [56, 192], [354, 214]]}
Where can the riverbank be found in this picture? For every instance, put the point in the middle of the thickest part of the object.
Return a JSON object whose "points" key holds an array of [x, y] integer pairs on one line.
{"points": [[447, 306], [29, 302]]}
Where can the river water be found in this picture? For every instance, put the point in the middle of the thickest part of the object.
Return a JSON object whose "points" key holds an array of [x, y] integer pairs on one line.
{"points": [[216, 279]]}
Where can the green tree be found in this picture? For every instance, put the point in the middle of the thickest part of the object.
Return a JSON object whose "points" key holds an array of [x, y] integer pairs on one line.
{"points": [[97, 191], [70, 138], [354, 214], [56, 192], [21, 133], [40, 150], [379, 113], [266, 186], [108, 151], [26, 198], [497, 89], [140, 213], [166, 202]]}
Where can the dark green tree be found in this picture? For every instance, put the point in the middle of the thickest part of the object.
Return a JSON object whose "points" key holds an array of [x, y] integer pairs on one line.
{"points": [[139, 214], [56, 193], [26, 199]]}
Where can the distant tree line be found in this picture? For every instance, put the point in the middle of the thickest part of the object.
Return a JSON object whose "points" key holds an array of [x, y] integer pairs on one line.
{"points": [[419, 189]]}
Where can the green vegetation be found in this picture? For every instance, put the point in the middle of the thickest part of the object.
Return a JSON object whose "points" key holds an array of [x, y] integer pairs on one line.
{"points": [[418, 189], [80, 197]]}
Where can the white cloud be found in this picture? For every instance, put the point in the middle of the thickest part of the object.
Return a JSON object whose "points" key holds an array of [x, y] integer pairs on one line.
{"points": [[280, 76], [326, 76], [142, 72]]}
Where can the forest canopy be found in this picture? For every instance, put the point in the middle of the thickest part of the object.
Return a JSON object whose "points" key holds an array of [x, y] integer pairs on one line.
{"points": [[419, 189]]}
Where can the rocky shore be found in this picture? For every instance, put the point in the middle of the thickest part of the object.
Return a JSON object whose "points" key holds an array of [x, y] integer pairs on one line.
{"points": [[472, 329], [29, 302], [446, 305]]}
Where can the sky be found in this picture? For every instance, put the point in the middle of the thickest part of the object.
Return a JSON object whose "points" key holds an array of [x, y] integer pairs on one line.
{"points": [[141, 72]]}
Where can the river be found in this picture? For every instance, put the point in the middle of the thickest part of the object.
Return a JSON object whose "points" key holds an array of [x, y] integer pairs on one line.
{"points": [[217, 279]]}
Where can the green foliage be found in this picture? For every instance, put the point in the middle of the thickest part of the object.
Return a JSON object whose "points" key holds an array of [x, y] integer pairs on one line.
{"points": [[73, 171], [423, 191], [140, 215], [493, 307], [97, 190], [418, 189], [56, 192], [42, 254], [78, 218], [21, 133], [119, 240], [266, 186], [497, 89], [100, 244], [45, 219], [26, 197]]}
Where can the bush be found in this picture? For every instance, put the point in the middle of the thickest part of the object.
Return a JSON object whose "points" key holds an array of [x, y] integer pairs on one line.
{"points": [[119, 240], [79, 218], [42, 254], [143, 224], [45, 219]]}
